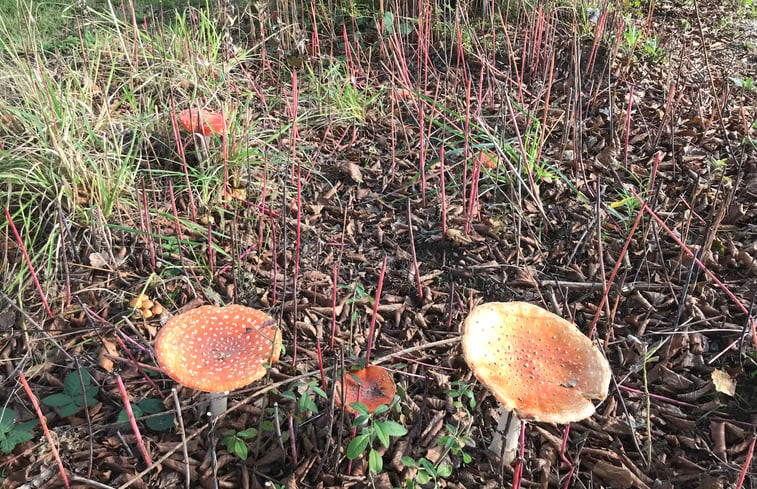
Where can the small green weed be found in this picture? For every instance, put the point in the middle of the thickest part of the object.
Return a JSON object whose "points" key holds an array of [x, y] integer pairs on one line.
{"points": [[71, 399], [11, 434], [305, 402], [149, 406], [459, 392], [236, 441], [745, 83], [427, 472], [653, 50], [372, 429]]}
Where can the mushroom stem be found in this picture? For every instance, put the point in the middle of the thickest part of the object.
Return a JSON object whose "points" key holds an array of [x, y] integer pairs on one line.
{"points": [[218, 403], [505, 439]]}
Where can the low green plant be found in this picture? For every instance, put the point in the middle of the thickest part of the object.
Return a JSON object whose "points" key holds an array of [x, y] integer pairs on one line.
{"points": [[372, 430], [462, 393], [653, 50], [745, 83], [71, 399], [236, 441], [305, 402], [149, 406], [12, 433], [427, 472]]}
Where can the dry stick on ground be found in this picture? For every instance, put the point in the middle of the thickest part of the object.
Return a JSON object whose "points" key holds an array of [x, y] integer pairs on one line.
{"points": [[43, 422], [177, 408], [276, 385]]}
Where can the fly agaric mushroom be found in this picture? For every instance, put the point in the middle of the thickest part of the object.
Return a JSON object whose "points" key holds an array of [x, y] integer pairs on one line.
{"points": [[372, 385], [205, 122], [537, 364], [218, 349]]}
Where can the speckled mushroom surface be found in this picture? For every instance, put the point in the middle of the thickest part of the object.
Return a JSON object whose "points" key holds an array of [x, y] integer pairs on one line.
{"points": [[218, 349], [535, 362], [375, 385]]}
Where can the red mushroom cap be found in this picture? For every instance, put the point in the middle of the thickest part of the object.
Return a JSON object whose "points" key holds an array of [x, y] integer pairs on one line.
{"points": [[374, 383], [535, 362], [218, 349], [203, 121]]}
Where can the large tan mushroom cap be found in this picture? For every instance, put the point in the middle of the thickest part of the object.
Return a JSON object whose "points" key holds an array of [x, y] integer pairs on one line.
{"points": [[218, 349], [535, 362]]}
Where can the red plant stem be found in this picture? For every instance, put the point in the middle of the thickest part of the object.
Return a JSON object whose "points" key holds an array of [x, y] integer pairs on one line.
{"points": [[375, 313], [564, 458], [628, 127], [148, 228], [422, 153], [133, 421], [180, 148], [747, 463], [28, 262], [701, 265], [179, 233], [262, 199], [64, 253], [472, 198], [137, 365], [518, 476], [412, 247], [43, 423], [292, 439], [657, 396], [522, 148], [210, 247], [299, 219], [444, 191], [467, 137], [546, 106], [333, 307], [615, 269]]}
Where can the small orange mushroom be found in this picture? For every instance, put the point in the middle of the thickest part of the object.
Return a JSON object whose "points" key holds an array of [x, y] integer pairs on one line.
{"points": [[535, 362], [372, 385], [218, 349], [205, 122]]}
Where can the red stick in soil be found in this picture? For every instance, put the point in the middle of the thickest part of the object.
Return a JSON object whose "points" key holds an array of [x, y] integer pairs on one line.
{"points": [[422, 152], [28, 262], [412, 247], [333, 307], [210, 248], [444, 191], [564, 458], [147, 227], [375, 313], [180, 148], [747, 463], [43, 423], [702, 266], [628, 127], [132, 420]]}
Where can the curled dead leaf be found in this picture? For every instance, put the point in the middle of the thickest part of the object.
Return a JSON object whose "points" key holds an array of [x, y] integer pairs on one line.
{"points": [[723, 382]]}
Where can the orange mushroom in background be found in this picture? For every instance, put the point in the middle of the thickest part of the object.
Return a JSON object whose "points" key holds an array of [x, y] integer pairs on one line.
{"points": [[372, 385], [205, 122], [537, 364], [218, 349]]}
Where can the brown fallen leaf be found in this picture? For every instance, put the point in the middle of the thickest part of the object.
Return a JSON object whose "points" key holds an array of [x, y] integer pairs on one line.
{"points": [[723, 382], [108, 347]]}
